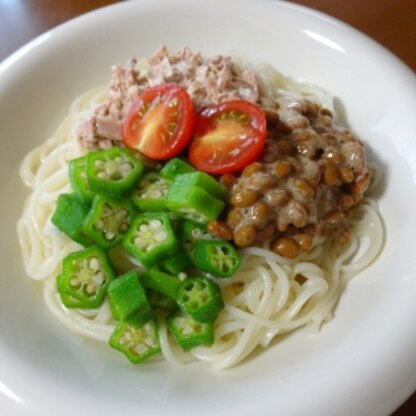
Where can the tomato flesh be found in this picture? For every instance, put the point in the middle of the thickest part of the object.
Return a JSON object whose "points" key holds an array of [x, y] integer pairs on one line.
{"points": [[228, 136], [160, 122]]}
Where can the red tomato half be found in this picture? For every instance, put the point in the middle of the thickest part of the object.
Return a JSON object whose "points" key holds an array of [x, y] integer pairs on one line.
{"points": [[160, 123], [228, 136]]}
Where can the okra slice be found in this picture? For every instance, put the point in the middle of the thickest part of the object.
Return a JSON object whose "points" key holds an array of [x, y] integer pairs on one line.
{"points": [[115, 170], [78, 179], [200, 298], [69, 216], [86, 276], [176, 167], [204, 181], [176, 264], [128, 300], [189, 333], [137, 343], [188, 233], [151, 238], [163, 283], [217, 257], [193, 203], [150, 193], [108, 220]]}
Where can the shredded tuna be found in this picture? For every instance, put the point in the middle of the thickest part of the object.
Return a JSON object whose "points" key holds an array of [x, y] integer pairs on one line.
{"points": [[207, 80]]}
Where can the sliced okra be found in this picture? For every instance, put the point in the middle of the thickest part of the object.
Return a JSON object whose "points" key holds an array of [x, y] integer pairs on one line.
{"points": [[78, 179], [108, 220], [69, 216], [193, 203], [151, 238], [200, 298], [188, 233], [189, 333], [86, 276], [137, 343], [150, 193], [115, 170], [128, 300], [217, 257], [204, 181]]}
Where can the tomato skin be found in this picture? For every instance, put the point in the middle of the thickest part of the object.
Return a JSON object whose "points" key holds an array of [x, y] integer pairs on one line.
{"points": [[160, 123], [228, 137]]}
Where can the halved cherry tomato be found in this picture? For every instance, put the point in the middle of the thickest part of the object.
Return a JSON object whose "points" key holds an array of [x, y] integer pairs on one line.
{"points": [[160, 123], [228, 136]]}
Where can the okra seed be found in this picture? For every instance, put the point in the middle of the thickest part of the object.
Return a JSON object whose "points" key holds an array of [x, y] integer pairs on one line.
{"points": [[149, 341], [102, 175], [196, 233], [182, 276], [99, 224], [179, 321], [98, 163], [109, 235], [119, 159], [140, 349], [122, 213], [160, 236], [149, 235], [187, 330], [125, 169], [150, 247], [106, 210], [139, 242], [155, 224], [128, 336], [99, 279], [75, 281], [91, 288], [94, 264]]}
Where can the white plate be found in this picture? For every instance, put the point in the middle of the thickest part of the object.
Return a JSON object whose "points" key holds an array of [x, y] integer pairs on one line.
{"points": [[362, 363]]}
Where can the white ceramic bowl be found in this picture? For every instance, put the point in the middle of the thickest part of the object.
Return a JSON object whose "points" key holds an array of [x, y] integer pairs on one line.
{"points": [[362, 363]]}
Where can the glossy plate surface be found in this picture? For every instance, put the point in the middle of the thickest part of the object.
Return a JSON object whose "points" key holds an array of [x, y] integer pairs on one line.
{"points": [[362, 363]]}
